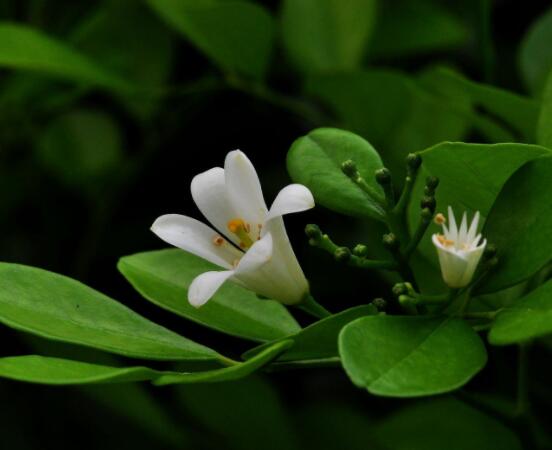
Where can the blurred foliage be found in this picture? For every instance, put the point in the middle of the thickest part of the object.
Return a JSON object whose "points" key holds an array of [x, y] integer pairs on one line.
{"points": [[107, 110]]}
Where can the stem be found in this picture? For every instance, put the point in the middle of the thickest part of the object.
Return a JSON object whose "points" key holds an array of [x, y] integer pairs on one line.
{"points": [[406, 193], [417, 237], [311, 306], [490, 315]]}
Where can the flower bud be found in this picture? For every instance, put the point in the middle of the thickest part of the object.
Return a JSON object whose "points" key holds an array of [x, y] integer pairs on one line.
{"points": [[429, 203], [379, 303], [349, 168], [399, 289], [490, 251], [313, 232], [360, 250], [390, 241], [413, 161], [342, 254], [383, 176]]}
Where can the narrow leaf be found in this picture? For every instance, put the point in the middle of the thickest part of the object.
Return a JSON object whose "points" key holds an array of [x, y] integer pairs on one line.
{"points": [[59, 308]]}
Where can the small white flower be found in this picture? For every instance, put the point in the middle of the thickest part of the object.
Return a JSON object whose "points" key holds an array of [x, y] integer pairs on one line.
{"points": [[459, 249], [251, 242]]}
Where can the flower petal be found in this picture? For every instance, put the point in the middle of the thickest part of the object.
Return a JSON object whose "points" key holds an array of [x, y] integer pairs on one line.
{"points": [[291, 199], [205, 285], [210, 195], [473, 228], [244, 189], [463, 231], [256, 257], [195, 237], [452, 229]]}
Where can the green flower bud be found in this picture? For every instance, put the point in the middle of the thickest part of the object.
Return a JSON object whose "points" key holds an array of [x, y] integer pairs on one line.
{"points": [[313, 232], [413, 161], [379, 303], [432, 183], [342, 254], [349, 168], [383, 176], [490, 251], [429, 203], [426, 214], [390, 241], [360, 250], [399, 289]]}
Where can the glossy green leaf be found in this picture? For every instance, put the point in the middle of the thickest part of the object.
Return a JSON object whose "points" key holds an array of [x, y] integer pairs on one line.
{"points": [[471, 176], [60, 308], [47, 370], [319, 340], [234, 372], [443, 423], [80, 148], [163, 277], [327, 35], [411, 27], [535, 55], [520, 225], [236, 35], [315, 161], [544, 127], [391, 110], [527, 318], [407, 356], [517, 112], [23, 48]]}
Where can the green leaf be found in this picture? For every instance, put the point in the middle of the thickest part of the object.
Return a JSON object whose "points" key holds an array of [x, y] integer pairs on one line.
{"points": [[163, 277], [527, 318], [23, 48], [544, 126], [411, 27], [315, 161], [517, 112], [535, 55], [236, 35], [59, 308], [520, 225], [81, 148], [406, 356], [443, 423], [319, 340], [392, 111], [327, 35], [471, 177], [59, 371], [235, 372]]}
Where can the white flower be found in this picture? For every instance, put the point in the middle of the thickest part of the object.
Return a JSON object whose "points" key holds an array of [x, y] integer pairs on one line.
{"points": [[459, 249], [251, 242]]}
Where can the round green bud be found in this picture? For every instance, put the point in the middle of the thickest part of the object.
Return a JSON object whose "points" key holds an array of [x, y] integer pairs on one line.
{"points": [[426, 214], [342, 254], [390, 241], [360, 250], [313, 231], [413, 160], [429, 203], [399, 289], [383, 176], [349, 168], [379, 303], [432, 183], [490, 251]]}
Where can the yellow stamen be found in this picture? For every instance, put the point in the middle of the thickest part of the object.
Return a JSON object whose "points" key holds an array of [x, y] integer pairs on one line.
{"points": [[241, 230], [218, 241], [444, 241], [440, 219]]}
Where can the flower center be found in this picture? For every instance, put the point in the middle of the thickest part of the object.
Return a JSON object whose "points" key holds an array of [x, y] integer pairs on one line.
{"points": [[444, 241], [241, 230]]}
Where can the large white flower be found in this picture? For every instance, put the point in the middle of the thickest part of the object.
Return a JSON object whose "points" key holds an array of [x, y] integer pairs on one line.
{"points": [[251, 242], [459, 249]]}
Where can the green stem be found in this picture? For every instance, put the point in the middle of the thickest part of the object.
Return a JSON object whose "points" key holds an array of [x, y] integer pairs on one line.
{"points": [[406, 193], [490, 315], [417, 237], [312, 307]]}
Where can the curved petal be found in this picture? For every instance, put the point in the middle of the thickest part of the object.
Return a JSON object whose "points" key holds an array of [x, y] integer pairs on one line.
{"points": [[210, 195], [291, 199], [244, 189], [257, 256], [205, 285], [197, 238]]}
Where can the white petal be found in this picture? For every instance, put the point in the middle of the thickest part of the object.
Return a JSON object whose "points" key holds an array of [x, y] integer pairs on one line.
{"points": [[195, 237], [462, 233], [453, 230], [473, 228], [291, 199], [244, 189], [205, 285], [257, 256], [210, 195]]}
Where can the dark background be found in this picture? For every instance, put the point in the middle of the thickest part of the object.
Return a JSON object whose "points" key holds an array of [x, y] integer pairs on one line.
{"points": [[54, 217]]}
